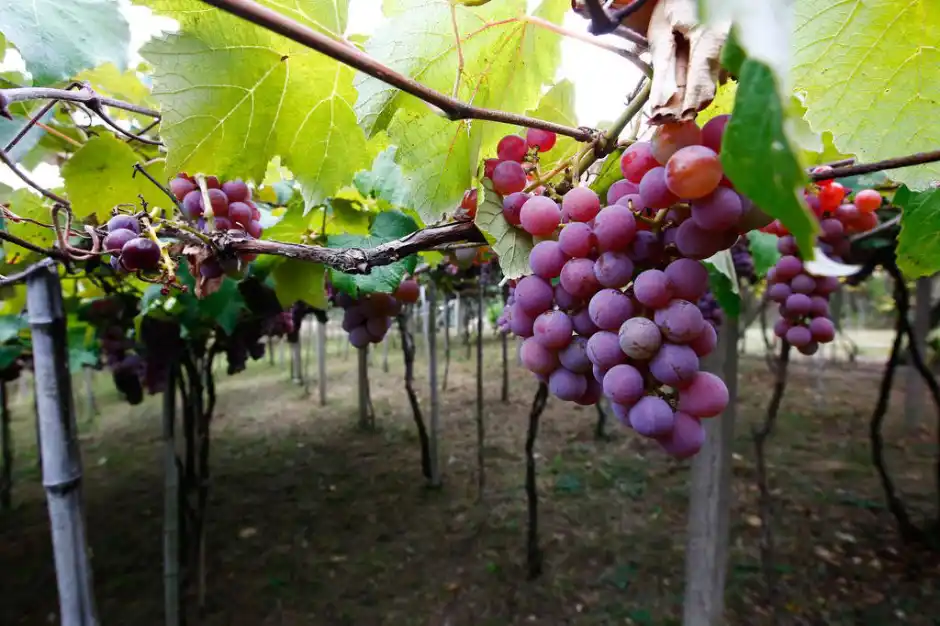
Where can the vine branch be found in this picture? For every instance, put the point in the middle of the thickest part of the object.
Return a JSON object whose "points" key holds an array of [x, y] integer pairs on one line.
{"points": [[918, 158]]}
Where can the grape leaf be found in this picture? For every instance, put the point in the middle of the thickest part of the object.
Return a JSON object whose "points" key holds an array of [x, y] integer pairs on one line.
{"points": [[387, 226], [10, 327], [234, 95], [919, 241], [108, 80], [763, 247], [9, 354], [59, 39], [609, 174], [758, 158], [870, 73], [721, 105], [9, 129], [100, 175], [384, 180], [557, 105], [24, 203], [723, 282], [512, 245], [300, 281]]}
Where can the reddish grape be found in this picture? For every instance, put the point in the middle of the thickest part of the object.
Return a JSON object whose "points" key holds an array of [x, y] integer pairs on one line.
{"points": [[672, 137], [614, 228], [254, 229], [511, 148], [831, 229], [609, 309], [685, 439], [787, 245], [489, 166], [123, 222], [543, 139], [865, 222], [652, 289], [180, 187], [117, 238], [192, 204], [681, 321], [508, 177], [799, 336], [535, 295], [636, 161], [574, 356], [847, 213], [140, 253], [255, 212], [799, 304], [822, 329], [539, 215], [652, 417], [537, 358], [653, 190], [693, 172], [604, 350], [714, 130], [831, 196], [687, 278], [819, 306], [674, 365], [521, 324], [809, 349], [565, 300], [553, 329], [705, 343], [581, 204], [577, 278], [593, 393], [408, 291], [212, 182], [623, 384], [583, 325], [576, 239], [223, 223], [469, 203], [512, 207], [567, 385], [236, 190], [239, 213], [706, 396], [868, 201], [718, 211], [613, 269], [781, 327]]}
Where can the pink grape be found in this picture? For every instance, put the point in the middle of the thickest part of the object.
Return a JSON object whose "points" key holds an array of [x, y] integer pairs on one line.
{"points": [[706, 396], [623, 384], [799, 304], [583, 325], [687, 278], [123, 222], [223, 223], [717, 211], [614, 228], [547, 259], [781, 327], [181, 186], [705, 343], [192, 204], [803, 283], [652, 289], [819, 307], [713, 131], [779, 292], [567, 385], [847, 213], [574, 356], [537, 358], [521, 324], [254, 228], [822, 329], [239, 213], [653, 190], [613, 269], [117, 238], [639, 338], [672, 137], [534, 295], [212, 182], [674, 365], [809, 349], [695, 242], [359, 337], [652, 417], [694, 172], [609, 309], [508, 177], [831, 228], [621, 189], [636, 161], [563, 299], [553, 329], [512, 207], [826, 285], [686, 438], [511, 148], [577, 277], [787, 245], [236, 190], [544, 139], [604, 350], [680, 322], [540, 215], [787, 267], [576, 239], [581, 204], [799, 336]]}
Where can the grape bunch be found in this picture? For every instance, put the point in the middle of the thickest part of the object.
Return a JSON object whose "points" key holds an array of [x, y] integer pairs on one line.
{"points": [[278, 325], [743, 261], [129, 251], [711, 310], [369, 317], [502, 322]]}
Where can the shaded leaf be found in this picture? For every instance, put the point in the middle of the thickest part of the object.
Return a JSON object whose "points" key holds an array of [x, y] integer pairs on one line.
{"points": [[512, 245], [919, 241], [299, 281], [763, 247], [609, 174], [388, 226]]}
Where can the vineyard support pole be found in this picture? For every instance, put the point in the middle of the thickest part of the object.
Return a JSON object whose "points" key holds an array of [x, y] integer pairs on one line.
{"points": [[710, 496], [915, 395], [385, 342], [481, 427], [431, 329], [6, 451], [364, 421], [58, 440], [297, 361], [504, 348], [533, 550], [321, 360], [447, 339], [171, 505]]}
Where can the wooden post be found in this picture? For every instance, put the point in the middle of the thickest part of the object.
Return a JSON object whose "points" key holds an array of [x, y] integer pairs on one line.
{"points": [[321, 360], [6, 451], [481, 431], [171, 502], [431, 334], [363, 387], [915, 393]]}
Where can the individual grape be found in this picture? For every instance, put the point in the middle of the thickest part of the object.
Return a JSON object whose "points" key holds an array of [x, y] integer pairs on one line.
{"points": [[647, 248], [537, 358], [788, 267], [123, 222], [117, 238], [865, 222], [543, 139], [212, 182], [623, 384], [674, 365], [547, 259], [822, 329], [688, 279], [831, 228], [680, 322], [781, 327], [609, 309], [639, 338], [217, 200], [179, 187], [553, 329], [787, 245], [223, 223], [819, 306], [613, 269], [577, 277], [236, 190], [803, 283], [192, 204], [489, 166], [614, 228], [583, 325], [705, 343], [653, 190], [713, 131], [377, 327], [354, 316], [809, 349], [140, 253], [581, 204], [652, 417], [706, 396], [511, 148], [239, 213], [408, 291], [359, 337], [694, 172], [534, 295], [718, 211], [695, 242], [508, 177], [540, 216], [521, 324], [604, 350], [576, 239], [598, 373], [574, 356], [563, 299], [512, 207], [567, 385], [652, 289], [847, 213], [593, 393], [254, 228], [867, 201], [799, 304], [636, 161], [621, 189], [799, 336], [672, 137], [686, 438]]}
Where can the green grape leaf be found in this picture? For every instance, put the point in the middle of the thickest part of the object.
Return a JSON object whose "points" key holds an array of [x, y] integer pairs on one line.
{"points": [[384, 180], [759, 159], [10, 327], [10, 128], [223, 306], [918, 248], [100, 175], [881, 78], [292, 227], [724, 286], [26, 204], [9, 354], [557, 105], [108, 80], [721, 105], [59, 39], [432, 257], [732, 55], [300, 281], [387, 226], [609, 174], [722, 263], [512, 245], [763, 247], [234, 95]]}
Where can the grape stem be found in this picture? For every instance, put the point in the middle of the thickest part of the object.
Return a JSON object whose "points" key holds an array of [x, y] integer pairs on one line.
{"points": [[206, 204]]}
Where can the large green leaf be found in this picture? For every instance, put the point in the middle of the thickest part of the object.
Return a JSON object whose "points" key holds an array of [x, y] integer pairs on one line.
{"points": [[919, 241], [870, 73], [388, 226], [557, 105], [58, 39], [234, 95], [758, 157], [723, 282], [100, 175], [300, 281], [512, 245]]}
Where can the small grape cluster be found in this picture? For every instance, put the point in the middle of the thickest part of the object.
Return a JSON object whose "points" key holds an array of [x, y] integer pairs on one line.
{"points": [[711, 310], [130, 252], [502, 322], [278, 325], [369, 317], [743, 261]]}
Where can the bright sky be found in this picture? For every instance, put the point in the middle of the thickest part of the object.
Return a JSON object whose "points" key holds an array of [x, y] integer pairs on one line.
{"points": [[602, 79]]}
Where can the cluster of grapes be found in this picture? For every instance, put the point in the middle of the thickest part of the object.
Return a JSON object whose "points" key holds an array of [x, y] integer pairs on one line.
{"points": [[129, 251], [232, 209], [503, 321], [743, 261], [711, 310], [278, 325], [369, 317], [804, 298]]}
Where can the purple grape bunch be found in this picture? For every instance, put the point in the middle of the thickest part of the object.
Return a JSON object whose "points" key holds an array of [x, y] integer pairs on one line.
{"points": [[743, 261], [803, 298], [369, 317], [130, 252]]}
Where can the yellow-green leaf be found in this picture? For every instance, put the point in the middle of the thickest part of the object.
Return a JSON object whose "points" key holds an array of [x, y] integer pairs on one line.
{"points": [[299, 281]]}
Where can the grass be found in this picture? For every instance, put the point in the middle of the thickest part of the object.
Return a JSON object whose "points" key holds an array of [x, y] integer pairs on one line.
{"points": [[315, 522]]}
